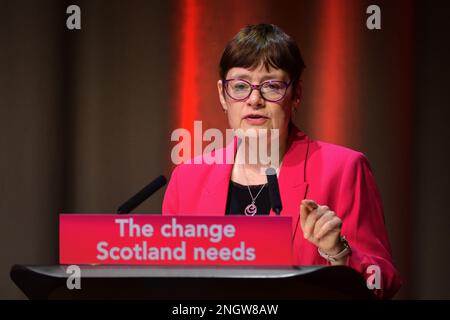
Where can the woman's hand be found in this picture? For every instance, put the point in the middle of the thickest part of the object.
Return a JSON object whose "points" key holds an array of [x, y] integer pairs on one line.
{"points": [[321, 227]]}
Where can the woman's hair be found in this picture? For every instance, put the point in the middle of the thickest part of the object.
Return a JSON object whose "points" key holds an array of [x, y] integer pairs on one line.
{"points": [[263, 43]]}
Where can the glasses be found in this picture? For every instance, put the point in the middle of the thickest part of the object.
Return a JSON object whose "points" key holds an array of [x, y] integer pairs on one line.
{"points": [[271, 90]]}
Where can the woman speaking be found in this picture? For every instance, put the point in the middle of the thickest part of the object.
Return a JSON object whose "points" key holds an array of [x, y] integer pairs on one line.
{"points": [[328, 190]]}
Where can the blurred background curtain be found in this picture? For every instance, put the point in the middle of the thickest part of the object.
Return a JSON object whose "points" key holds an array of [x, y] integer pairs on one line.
{"points": [[86, 116]]}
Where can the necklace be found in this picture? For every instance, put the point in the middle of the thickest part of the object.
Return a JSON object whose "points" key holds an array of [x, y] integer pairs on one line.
{"points": [[252, 209]]}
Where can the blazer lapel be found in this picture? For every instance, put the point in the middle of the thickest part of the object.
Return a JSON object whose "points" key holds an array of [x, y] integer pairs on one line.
{"points": [[292, 182], [216, 188]]}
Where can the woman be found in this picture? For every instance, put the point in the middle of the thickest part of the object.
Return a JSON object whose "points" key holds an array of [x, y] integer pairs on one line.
{"points": [[328, 190]]}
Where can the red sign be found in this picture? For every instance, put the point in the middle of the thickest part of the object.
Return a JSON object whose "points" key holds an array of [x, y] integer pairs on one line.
{"points": [[174, 240]]}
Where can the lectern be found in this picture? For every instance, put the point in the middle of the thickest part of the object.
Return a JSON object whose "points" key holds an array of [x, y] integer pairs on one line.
{"points": [[192, 283]]}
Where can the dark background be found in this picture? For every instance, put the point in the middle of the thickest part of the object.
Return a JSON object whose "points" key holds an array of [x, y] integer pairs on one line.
{"points": [[86, 116]]}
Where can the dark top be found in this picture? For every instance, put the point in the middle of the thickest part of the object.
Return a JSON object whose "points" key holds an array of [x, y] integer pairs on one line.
{"points": [[239, 198]]}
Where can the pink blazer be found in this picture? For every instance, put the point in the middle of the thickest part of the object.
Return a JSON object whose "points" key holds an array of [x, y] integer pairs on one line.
{"points": [[328, 174]]}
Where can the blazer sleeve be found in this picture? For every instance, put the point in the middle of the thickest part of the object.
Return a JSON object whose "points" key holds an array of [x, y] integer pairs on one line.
{"points": [[170, 202], [364, 226]]}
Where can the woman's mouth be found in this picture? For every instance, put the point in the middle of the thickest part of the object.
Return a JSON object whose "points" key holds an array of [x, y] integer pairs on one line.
{"points": [[255, 119]]}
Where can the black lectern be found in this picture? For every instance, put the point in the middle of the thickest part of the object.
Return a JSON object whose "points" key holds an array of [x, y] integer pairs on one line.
{"points": [[192, 283]]}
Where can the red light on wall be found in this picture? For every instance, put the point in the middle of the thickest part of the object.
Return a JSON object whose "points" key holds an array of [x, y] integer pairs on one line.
{"points": [[188, 62]]}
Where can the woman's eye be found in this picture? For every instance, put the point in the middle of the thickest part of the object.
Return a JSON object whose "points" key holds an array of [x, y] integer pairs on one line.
{"points": [[240, 86], [274, 86]]}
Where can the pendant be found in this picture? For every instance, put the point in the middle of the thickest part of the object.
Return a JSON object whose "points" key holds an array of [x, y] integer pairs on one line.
{"points": [[251, 209]]}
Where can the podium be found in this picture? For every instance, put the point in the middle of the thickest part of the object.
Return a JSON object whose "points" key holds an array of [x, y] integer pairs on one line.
{"points": [[192, 283]]}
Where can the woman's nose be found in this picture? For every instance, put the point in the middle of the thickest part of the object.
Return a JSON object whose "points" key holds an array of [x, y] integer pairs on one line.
{"points": [[255, 99]]}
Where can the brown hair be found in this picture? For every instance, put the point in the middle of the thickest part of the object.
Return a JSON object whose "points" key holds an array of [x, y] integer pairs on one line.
{"points": [[263, 43]]}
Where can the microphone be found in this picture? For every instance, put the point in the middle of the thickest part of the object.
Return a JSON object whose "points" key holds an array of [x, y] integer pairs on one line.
{"points": [[274, 191], [142, 195]]}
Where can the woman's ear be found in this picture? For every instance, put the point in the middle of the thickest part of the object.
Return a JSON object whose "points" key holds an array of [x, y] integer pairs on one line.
{"points": [[297, 95], [221, 95]]}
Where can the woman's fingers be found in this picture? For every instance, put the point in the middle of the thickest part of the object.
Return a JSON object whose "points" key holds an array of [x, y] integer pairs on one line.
{"points": [[320, 225], [327, 216], [332, 225], [311, 220], [306, 207]]}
